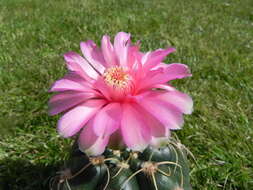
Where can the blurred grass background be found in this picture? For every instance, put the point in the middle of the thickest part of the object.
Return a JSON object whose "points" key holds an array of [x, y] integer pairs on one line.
{"points": [[213, 37]]}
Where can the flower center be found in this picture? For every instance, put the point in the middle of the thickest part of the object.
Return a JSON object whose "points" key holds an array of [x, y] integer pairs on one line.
{"points": [[116, 77]]}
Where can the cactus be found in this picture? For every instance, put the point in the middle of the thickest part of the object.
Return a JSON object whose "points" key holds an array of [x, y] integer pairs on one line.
{"points": [[163, 168]]}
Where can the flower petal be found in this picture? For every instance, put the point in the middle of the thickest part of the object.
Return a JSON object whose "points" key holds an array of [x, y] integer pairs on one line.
{"points": [[158, 141], [134, 56], [107, 120], [157, 129], [108, 52], [121, 44], [71, 81], [78, 64], [181, 101], [164, 74], [103, 88], [134, 130], [168, 115], [167, 87], [177, 71], [65, 100], [72, 121], [93, 55], [156, 57], [159, 132], [90, 143]]}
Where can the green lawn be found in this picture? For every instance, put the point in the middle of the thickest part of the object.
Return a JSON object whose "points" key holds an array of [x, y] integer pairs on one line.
{"points": [[213, 37]]}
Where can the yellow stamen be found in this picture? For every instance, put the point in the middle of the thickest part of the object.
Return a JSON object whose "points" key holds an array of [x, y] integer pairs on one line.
{"points": [[117, 77]]}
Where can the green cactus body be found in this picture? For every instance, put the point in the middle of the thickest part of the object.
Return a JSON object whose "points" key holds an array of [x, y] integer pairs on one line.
{"points": [[163, 168], [118, 179]]}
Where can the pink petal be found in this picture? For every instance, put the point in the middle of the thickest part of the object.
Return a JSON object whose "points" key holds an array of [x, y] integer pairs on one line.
{"points": [[159, 132], [66, 100], [90, 143], [78, 64], [158, 141], [107, 120], [72, 121], [134, 130], [93, 55], [71, 81], [165, 87], [156, 57], [160, 65], [181, 101], [121, 44], [103, 88], [148, 80], [168, 115], [108, 52], [165, 74], [134, 55], [177, 71], [157, 129]]}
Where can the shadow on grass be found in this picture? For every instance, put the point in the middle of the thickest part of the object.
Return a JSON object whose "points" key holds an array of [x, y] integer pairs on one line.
{"points": [[21, 174]]}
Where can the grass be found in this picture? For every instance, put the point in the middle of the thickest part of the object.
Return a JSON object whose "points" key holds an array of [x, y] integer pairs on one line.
{"points": [[213, 37]]}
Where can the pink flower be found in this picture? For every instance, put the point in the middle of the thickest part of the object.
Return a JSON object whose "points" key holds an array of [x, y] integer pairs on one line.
{"points": [[118, 92]]}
